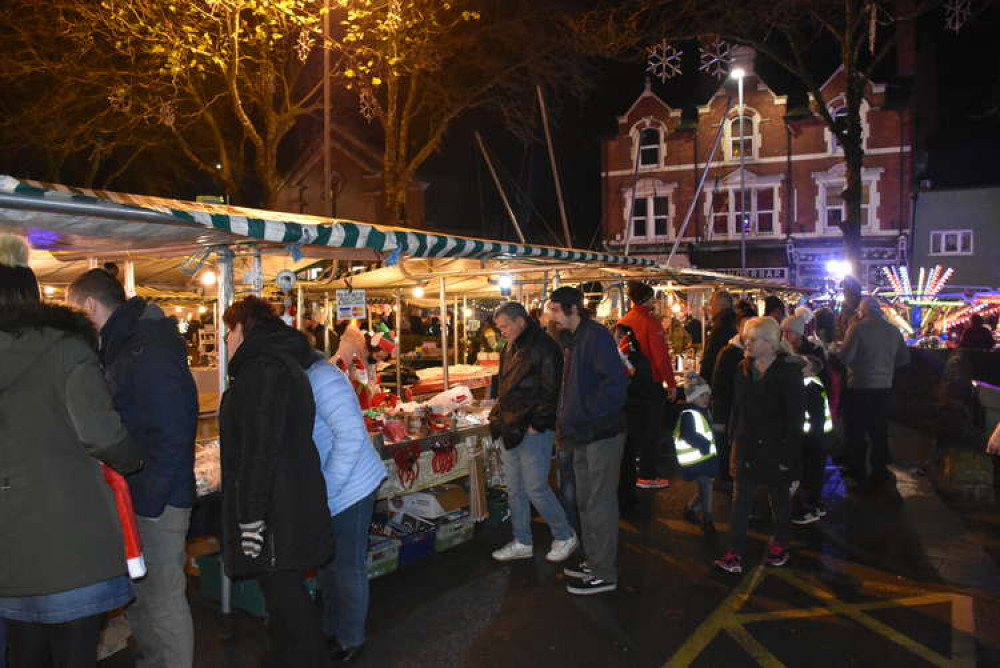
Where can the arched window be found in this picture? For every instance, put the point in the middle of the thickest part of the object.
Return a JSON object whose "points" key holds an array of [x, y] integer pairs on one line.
{"points": [[741, 135], [649, 147]]}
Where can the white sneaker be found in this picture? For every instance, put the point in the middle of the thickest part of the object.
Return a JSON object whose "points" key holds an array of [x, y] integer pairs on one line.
{"points": [[514, 550], [562, 549]]}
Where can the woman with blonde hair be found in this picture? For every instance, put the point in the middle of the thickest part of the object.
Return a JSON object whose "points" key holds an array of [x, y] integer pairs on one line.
{"points": [[767, 420]]}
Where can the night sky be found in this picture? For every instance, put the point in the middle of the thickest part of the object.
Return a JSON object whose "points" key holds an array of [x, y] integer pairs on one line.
{"points": [[957, 88]]}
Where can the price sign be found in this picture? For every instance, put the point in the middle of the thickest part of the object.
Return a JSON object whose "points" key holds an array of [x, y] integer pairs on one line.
{"points": [[351, 304]]}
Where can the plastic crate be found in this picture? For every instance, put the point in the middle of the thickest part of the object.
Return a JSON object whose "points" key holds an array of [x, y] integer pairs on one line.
{"points": [[454, 530], [383, 556], [415, 536]]}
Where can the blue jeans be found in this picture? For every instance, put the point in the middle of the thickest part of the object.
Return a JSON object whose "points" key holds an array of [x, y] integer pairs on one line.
{"points": [[344, 580], [527, 469], [567, 486]]}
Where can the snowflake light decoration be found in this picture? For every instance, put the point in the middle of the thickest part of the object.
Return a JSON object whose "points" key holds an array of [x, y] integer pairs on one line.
{"points": [[368, 105], [716, 58], [956, 13], [663, 61], [304, 45]]}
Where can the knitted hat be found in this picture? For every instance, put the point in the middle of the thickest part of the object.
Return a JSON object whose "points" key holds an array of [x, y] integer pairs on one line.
{"points": [[695, 386], [794, 323], [17, 280], [639, 293]]}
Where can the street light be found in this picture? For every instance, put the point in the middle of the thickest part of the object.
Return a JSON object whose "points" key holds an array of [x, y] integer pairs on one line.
{"points": [[739, 73]]}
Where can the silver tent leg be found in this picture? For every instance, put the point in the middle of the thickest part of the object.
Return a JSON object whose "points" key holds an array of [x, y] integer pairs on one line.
{"points": [[225, 294], [443, 305]]}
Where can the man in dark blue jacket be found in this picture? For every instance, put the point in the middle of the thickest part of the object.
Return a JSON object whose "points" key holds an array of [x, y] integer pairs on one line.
{"points": [[145, 363], [591, 424]]}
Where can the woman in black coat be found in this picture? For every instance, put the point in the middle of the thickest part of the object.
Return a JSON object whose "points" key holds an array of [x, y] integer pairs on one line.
{"points": [[768, 413], [276, 525]]}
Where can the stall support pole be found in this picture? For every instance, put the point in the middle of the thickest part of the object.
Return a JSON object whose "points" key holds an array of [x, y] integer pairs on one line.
{"points": [[257, 271], [454, 321], [327, 322], [224, 297], [129, 278], [399, 344], [299, 303], [465, 318], [443, 305], [92, 262]]}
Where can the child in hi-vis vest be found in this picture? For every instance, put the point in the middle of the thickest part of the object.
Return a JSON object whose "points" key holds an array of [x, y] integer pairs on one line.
{"points": [[807, 505], [696, 453]]}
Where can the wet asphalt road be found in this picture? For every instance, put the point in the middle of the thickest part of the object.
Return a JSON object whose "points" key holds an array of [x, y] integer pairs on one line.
{"points": [[891, 577]]}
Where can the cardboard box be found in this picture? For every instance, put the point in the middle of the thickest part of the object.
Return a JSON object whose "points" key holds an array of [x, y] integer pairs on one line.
{"points": [[415, 535], [383, 556], [433, 503], [453, 530]]}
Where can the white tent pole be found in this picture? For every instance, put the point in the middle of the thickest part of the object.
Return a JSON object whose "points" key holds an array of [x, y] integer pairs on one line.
{"points": [[327, 324], [399, 343], [443, 305]]}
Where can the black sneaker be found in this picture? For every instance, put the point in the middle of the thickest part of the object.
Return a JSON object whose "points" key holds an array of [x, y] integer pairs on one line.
{"points": [[590, 585], [581, 569]]}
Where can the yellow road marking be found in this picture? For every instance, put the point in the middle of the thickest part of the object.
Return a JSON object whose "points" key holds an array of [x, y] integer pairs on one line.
{"points": [[727, 618]]}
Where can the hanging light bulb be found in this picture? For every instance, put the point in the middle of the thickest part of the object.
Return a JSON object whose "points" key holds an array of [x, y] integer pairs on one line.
{"points": [[418, 291], [208, 278]]}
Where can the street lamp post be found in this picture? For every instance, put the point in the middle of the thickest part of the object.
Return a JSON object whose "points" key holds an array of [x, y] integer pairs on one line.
{"points": [[739, 73], [327, 161]]}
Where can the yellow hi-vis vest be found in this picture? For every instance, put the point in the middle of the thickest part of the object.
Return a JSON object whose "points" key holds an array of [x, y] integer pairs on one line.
{"points": [[827, 415], [688, 454]]}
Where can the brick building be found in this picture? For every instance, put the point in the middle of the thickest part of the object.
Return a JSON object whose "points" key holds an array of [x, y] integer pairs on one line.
{"points": [[793, 179]]}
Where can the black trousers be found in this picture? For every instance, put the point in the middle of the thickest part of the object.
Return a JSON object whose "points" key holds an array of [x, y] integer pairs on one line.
{"points": [[745, 491], [67, 645], [295, 637], [810, 491], [866, 422]]}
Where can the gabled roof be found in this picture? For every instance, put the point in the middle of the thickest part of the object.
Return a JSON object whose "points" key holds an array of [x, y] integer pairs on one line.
{"points": [[648, 93]]}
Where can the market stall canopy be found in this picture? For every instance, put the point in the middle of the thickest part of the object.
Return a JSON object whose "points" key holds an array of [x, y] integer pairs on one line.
{"points": [[57, 217]]}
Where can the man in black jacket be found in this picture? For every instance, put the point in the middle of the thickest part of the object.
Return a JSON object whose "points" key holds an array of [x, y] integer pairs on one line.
{"points": [[145, 364], [524, 417], [591, 425], [723, 329]]}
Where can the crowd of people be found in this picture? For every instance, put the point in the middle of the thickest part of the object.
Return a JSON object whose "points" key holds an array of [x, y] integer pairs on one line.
{"points": [[104, 382]]}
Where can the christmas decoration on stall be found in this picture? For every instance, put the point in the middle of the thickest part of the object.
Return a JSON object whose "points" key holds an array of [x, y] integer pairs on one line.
{"points": [[663, 61], [716, 58], [368, 104], [956, 14]]}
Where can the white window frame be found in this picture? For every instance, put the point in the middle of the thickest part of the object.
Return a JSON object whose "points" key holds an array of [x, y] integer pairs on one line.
{"points": [[649, 190], [834, 178], [837, 106], [648, 123], [731, 133], [941, 235], [731, 186]]}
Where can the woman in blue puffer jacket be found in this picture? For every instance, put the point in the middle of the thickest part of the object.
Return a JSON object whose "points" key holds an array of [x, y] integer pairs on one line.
{"points": [[353, 473]]}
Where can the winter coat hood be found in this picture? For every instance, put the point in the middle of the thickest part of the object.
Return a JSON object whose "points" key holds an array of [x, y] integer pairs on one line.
{"points": [[29, 331], [276, 339]]}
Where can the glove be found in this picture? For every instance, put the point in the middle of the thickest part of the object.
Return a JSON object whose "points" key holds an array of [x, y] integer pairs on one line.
{"points": [[252, 538]]}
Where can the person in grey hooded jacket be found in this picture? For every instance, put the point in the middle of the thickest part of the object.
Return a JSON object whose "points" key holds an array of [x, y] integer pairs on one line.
{"points": [[872, 351]]}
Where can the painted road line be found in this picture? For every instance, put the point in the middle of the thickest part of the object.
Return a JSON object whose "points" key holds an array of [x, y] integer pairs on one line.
{"points": [[702, 636], [872, 624]]}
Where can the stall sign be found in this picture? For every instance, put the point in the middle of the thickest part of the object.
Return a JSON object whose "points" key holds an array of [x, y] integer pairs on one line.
{"points": [[351, 304], [759, 273]]}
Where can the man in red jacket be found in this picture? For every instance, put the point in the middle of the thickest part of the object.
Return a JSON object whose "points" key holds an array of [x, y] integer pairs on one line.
{"points": [[645, 417]]}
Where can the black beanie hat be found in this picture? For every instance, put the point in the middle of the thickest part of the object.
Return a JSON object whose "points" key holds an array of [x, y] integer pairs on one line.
{"points": [[639, 293]]}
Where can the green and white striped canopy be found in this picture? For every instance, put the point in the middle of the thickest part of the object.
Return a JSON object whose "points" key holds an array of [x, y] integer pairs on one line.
{"points": [[60, 209]]}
